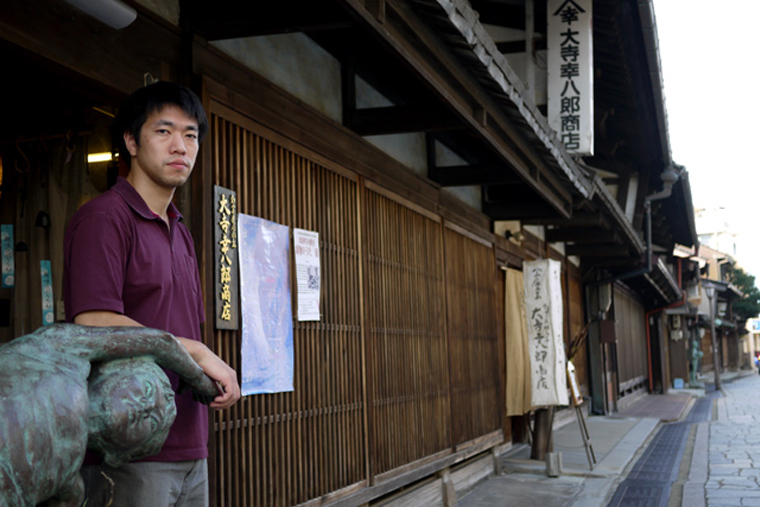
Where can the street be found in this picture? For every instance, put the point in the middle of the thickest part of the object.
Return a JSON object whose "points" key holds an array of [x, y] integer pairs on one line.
{"points": [[707, 454], [734, 446]]}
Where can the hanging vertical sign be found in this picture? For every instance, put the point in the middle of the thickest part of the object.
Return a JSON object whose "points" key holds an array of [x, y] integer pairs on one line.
{"points": [[570, 69], [308, 278], [226, 270], [543, 308], [6, 243], [46, 279], [267, 345]]}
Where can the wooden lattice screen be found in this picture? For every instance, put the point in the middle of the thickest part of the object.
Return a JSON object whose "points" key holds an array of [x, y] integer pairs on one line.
{"points": [[631, 337], [407, 320], [406, 338], [476, 403], [284, 449]]}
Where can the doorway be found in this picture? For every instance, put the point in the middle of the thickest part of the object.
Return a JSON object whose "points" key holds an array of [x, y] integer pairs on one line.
{"points": [[53, 118]]}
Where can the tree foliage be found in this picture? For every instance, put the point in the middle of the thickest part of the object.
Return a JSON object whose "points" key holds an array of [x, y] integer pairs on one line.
{"points": [[749, 306]]}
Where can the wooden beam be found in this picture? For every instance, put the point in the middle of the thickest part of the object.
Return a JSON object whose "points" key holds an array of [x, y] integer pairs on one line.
{"points": [[600, 250], [402, 119], [459, 88], [613, 263], [518, 46], [377, 8], [464, 175], [348, 85], [578, 220], [584, 235], [235, 19], [511, 210]]}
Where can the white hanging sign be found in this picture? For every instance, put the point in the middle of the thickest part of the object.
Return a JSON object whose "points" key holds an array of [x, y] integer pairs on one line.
{"points": [[543, 306], [570, 69]]}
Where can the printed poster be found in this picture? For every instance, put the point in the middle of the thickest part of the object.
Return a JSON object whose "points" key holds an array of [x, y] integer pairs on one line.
{"points": [[308, 277], [267, 345], [543, 308]]}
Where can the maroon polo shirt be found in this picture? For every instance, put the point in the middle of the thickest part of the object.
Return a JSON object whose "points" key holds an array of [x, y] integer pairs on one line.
{"points": [[120, 256]]}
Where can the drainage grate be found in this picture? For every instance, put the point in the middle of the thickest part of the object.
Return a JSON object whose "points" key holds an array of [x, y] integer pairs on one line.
{"points": [[657, 462], [701, 411], [648, 484], [637, 494]]}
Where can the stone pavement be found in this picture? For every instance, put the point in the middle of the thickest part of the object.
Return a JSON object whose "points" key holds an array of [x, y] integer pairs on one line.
{"points": [[721, 467], [616, 441], [729, 472]]}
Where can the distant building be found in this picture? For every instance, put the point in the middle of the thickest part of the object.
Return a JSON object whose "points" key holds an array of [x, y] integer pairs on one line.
{"points": [[715, 230]]}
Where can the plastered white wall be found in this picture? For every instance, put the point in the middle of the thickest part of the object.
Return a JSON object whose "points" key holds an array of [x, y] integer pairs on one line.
{"points": [[295, 63], [472, 195]]}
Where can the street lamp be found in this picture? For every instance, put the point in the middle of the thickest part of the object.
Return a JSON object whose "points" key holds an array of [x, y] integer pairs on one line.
{"points": [[710, 291]]}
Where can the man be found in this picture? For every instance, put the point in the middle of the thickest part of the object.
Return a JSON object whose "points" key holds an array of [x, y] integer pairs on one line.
{"points": [[129, 261]]}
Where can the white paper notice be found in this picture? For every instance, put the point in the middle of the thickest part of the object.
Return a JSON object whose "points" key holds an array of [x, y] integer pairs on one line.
{"points": [[308, 276]]}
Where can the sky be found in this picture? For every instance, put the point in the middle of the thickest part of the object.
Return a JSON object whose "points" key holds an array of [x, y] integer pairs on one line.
{"points": [[709, 52]]}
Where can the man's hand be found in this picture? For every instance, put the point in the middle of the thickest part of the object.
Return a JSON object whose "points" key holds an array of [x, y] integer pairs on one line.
{"points": [[212, 365], [218, 370]]}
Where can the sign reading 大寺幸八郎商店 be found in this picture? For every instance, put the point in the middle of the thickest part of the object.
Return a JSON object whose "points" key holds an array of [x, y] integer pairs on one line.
{"points": [[570, 68], [226, 271]]}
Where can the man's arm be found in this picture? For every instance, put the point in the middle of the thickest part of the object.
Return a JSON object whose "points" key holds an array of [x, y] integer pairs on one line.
{"points": [[212, 365]]}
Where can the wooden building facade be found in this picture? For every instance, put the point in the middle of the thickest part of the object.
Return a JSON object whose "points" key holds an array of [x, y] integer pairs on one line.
{"points": [[401, 384]]}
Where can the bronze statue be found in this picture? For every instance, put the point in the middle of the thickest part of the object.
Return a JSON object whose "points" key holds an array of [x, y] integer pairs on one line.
{"points": [[696, 355], [48, 412]]}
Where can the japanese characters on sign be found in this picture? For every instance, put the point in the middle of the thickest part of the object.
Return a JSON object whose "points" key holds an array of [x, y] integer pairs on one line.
{"points": [[543, 306], [308, 277], [570, 74], [226, 270]]}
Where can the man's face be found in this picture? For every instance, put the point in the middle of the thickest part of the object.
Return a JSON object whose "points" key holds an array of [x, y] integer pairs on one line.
{"points": [[167, 148]]}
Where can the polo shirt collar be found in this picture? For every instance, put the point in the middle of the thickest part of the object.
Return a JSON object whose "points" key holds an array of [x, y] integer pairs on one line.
{"points": [[137, 203]]}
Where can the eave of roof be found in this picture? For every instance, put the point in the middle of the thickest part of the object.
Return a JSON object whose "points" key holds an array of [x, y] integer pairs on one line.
{"points": [[652, 48], [477, 50]]}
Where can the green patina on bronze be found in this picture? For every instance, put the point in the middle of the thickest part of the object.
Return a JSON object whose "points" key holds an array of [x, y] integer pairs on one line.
{"points": [[48, 412], [696, 355]]}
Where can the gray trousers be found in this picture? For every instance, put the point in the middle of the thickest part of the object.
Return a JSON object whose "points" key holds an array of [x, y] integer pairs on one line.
{"points": [[170, 484]]}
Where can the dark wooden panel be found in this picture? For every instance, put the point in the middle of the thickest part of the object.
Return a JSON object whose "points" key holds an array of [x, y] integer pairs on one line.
{"points": [[631, 336], [472, 329], [287, 448], [576, 321], [406, 336]]}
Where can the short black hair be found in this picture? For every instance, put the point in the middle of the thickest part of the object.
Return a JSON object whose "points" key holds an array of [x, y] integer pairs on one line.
{"points": [[142, 103]]}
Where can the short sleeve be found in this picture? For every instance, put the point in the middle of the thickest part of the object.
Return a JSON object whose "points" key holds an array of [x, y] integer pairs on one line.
{"points": [[96, 253]]}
